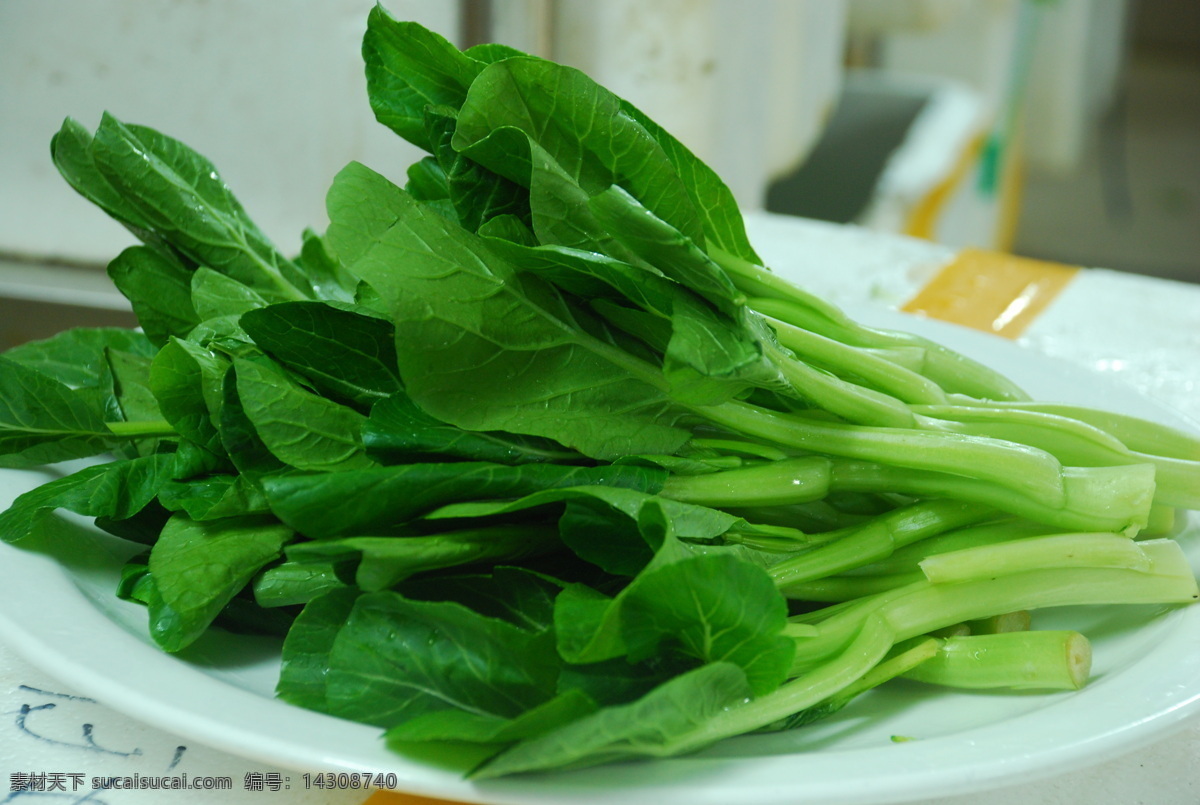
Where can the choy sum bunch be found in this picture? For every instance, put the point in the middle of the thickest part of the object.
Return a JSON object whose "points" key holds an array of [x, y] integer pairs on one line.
{"points": [[533, 460]]}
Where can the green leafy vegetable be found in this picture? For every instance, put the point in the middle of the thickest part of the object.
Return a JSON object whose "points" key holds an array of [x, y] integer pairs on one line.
{"points": [[43, 420], [118, 490], [535, 465], [198, 566]]}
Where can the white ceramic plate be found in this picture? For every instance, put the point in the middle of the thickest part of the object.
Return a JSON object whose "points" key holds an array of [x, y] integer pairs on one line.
{"points": [[59, 612]]}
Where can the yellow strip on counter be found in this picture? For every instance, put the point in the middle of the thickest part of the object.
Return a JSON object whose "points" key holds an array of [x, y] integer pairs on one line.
{"points": [[990, 291]]}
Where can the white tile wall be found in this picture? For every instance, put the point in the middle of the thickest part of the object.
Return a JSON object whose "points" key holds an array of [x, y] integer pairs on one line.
{"points": [[273, 93]]}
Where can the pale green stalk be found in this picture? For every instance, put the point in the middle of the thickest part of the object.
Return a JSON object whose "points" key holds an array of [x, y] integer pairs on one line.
{"points": [[1039, 660]]}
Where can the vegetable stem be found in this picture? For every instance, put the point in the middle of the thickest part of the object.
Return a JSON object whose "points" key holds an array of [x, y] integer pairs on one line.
{"points": [[873, 368], [1053, 660], [870, 644], [877, 540], [1058, 550], [1006, 464], [853, 403]]}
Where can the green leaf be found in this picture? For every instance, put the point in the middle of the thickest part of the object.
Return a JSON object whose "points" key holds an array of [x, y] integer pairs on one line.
{"points": [[349, 355], [617, 528], [383, 562], [305, 657], [377, 499], [591, 275], [718, 210], [683, 599], [43, 421], [599, 534], [135, 580], [71, 149], [118, 490], [142, 527], [160, 290], [489, 52], [300, 428], [665, 247], [484, 734], [329, 278], [215, 295], [396, 659], [483, 348], [398, 431], [666, 721], [478, 194], [714, 608], [76, 357], [558, 107], [709, 352], [246, 449], [619, 681], [180, 196], [520, 596], [131, 385], [559, 208], [427, 181], [105, 368], [198, 567], [213, 497], [187, 382], [223, 336], [588, 626], [409, 68], [300, 582], [243, 615], [508, 227]]}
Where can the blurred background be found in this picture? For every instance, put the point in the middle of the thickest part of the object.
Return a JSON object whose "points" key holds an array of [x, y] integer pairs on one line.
{"points": [[1066, 130]]}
